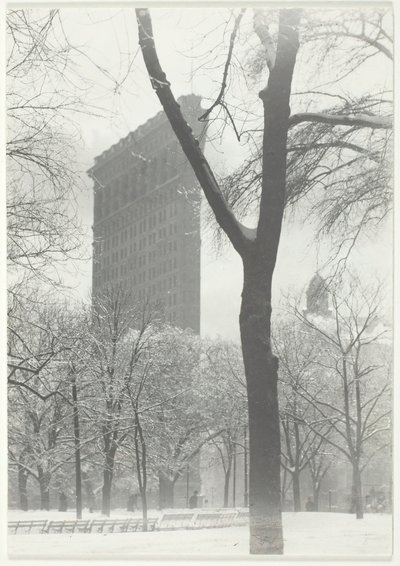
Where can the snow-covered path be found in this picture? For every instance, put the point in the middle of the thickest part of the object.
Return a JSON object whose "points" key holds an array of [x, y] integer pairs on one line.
{"points": [[325, 535]]}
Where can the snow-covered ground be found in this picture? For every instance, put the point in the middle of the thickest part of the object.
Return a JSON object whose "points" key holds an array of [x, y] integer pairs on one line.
{"points": [[326, 535]]}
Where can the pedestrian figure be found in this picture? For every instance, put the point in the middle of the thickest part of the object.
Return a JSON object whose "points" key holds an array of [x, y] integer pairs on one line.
{"points": [[309, 504], [193, 500], [63, 503]]}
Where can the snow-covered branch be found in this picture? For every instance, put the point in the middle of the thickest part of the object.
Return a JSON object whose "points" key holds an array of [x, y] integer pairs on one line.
{"points": [[189, 144], [356, 120], [261, 28]]}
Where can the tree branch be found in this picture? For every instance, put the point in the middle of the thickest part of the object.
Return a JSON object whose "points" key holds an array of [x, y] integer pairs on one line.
{"points": [[188, 142], [219, 98], [260, 26], [32, 390], [359, 120]]}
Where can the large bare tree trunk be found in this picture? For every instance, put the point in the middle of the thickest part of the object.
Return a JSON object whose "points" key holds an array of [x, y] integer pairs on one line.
{"points": [[264, 434], [258, 252]]}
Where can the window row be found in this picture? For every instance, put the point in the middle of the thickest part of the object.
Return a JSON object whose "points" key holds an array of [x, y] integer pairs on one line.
{"points": [[158, 240], [161, 199], [167, 267], [126, 189]]}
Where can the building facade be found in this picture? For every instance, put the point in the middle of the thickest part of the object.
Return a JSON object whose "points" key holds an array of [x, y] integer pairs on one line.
{"points": [[146, 229]]}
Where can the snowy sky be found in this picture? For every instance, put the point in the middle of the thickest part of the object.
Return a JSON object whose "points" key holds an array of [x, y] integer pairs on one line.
{"points": [[221, 277], [108, 36]]}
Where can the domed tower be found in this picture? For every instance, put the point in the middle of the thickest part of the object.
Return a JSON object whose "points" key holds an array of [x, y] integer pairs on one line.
{"points": [[317, 297]]}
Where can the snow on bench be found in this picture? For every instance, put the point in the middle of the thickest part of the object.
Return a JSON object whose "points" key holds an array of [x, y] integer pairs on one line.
{"points": [[26, 527], [81, 526], [242, 518], [172, 521], [108, 525], [152, 523], [168, 521], [206, 520], [226, 518], [78, 526], [133, 525], [198, 520]]}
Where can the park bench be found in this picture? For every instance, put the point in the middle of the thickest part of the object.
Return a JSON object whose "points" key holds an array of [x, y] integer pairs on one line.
{"points": [[108, 525], [26, 527], [82, 526], [206, 520], [59, 527], [136, 524], [226, 518], [172, 521], [242, 518], [152, 524], [132, 525]]}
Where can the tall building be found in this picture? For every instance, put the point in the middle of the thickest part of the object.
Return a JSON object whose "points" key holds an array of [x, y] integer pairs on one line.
{"points": [[146, 229]]}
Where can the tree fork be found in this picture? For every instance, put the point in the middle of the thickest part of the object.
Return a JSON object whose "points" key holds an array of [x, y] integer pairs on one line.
{"points": [[259, 256]]}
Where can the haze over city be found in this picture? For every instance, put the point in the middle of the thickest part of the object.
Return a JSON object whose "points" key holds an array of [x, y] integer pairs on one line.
{"points": [[200, 281], [111, 39]]}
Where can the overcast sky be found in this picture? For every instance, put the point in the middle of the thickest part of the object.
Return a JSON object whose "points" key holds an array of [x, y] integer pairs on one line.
{"points": [[108, 38]]}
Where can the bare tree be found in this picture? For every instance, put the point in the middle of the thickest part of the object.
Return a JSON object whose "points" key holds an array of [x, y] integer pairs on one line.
{"points": [[139, 439], [42, 179], [39, 441], [46, 359], [119, 329], [356, 365], [319, 464], [226, 401], [39, 337], [159, 400], [257, 247], [302, 447]]}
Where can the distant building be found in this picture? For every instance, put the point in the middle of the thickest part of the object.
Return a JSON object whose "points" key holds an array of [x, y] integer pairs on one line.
{"points": [[377, 475], [146, 229], [317, 297]]}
